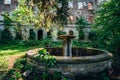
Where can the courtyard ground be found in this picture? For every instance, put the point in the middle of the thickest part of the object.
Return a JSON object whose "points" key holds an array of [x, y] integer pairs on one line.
{"points": [[9, 53]]}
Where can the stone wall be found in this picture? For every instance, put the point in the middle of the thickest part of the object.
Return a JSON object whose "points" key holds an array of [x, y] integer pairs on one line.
{"points": [[74, 13], [74, 65], [87, 10], [8, 7]]}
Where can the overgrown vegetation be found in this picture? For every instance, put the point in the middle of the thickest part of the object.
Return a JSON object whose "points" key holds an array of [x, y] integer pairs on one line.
{"points": [[42, 13], [106, 35], [108, 25], [46, 58], [107, 29], [21, 66], [6, 36], [3, 63], [81, 23]]}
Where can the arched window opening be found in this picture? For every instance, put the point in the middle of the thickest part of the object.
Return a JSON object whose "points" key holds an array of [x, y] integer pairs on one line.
{"points": [[40, 34]]}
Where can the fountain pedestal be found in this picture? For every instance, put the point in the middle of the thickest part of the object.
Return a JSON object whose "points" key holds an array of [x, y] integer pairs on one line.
{"points": [[67, 47]]}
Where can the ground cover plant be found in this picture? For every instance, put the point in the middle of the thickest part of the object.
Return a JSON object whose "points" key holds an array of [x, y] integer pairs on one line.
{"points": [[21, 66], [20, 48]]}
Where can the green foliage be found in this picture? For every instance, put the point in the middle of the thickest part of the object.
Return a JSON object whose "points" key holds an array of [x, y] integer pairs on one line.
{"points": [[43, 51], [20, 63], [83, 44], [3, 63], [46, 58], [62, 12], [18, 35], [81, 23], [105, 76], [16, 49], [81, 35], [61, 32], [92, 35], [48, 13], [108, 25], [7, 20], [19, 67], [6, 36], [19, 15], [71, 32], [29, 43], [32, 35]]}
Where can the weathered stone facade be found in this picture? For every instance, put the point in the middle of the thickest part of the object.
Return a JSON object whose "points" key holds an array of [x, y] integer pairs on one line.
{"points": [[77, 8], [4, 7], [83, 8]]}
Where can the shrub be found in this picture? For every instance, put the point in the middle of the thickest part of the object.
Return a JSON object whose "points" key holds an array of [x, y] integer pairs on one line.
{"points": [[32, 35], [71, 32], [92, 35], [81, 35], [61, 32], [46, 58], [3, 63], [6, 35], [18, 36]]}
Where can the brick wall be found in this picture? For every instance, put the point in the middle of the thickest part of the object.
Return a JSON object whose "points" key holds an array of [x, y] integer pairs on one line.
{"points": [[87, 11], [8, 8]]}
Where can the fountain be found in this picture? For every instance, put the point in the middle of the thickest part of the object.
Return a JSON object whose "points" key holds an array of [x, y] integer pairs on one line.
{"points": [[72, 61], [66, 44]]}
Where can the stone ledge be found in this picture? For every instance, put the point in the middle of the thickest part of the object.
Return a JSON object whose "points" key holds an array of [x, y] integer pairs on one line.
{"points": [[74, 65]]}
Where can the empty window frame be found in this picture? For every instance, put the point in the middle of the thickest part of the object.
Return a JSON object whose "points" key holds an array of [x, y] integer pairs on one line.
{"points": [[90, 6], [6, 2], [70, 4], [80, 5]]}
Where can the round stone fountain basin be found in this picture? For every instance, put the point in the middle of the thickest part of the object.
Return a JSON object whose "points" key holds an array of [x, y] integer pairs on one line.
{"points": [[95, 61]]}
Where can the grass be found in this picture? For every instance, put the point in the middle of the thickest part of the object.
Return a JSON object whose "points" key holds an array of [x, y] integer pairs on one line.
{"points": [[8, 50], [3, 63], [11, 50]]}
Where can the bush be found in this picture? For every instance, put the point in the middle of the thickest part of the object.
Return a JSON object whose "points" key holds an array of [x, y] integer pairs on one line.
{"points": [[18, 36], [81, 35], [92, 35], [29, 43], [32, 35], [71, 32], [3, 63], [61, 32], [6, 36]]}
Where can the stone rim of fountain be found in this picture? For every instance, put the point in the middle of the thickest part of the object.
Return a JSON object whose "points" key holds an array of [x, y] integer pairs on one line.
{"points": [[66, 36], [79, 59], [71, 66]]}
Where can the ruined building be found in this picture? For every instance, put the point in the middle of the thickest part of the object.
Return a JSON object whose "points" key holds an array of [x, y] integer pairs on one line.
{"points": [[77, 8]]}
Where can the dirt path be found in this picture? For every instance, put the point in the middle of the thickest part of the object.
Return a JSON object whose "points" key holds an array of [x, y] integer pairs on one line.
{"points": [[11, 60]]}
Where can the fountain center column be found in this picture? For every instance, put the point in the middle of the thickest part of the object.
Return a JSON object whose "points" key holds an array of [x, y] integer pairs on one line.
{"points": [[67, 46]]}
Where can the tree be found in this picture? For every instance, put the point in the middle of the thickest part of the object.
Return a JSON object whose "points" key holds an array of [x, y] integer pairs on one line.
{"points": [[7, 20], [23, 14], [62, 11], [108, 25], [6, 35], [80, 24], [48, 12]]}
